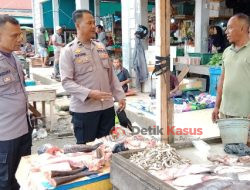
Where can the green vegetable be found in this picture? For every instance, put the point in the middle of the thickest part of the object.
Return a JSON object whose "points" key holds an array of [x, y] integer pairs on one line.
{"points": [[216, 60], [116, 120]]}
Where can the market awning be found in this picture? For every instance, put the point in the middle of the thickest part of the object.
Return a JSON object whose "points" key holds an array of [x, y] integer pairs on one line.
{"points": [[24, 20], [29, 29]]}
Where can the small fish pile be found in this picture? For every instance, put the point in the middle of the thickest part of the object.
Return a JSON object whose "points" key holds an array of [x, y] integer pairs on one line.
{"points": [[161, 157]]}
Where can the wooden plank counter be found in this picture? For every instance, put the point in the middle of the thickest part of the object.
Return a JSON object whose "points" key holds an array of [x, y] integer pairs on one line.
{"points": [[36, 180], [42, 93]]}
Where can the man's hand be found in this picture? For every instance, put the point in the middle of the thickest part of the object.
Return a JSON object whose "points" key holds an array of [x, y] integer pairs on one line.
{"points": [[122, 105], [98, 95], [215, 114]]}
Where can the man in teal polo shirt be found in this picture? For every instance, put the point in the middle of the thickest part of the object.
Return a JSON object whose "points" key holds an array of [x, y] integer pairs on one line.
{"points": [[233, 93]]}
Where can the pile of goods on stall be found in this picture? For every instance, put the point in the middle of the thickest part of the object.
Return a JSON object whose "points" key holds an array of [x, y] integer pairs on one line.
{"points": [[61, 165], [191, 103], [188, 102], [166, 164]]}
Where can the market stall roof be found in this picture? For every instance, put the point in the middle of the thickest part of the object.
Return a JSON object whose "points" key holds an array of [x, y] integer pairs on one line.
{"points": [[24, 20], [16, 4], [29, 29]]}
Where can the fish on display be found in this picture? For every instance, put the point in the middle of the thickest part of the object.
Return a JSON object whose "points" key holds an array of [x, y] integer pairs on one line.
{"points": [[158, 158], [80, 148], [222, 185]]}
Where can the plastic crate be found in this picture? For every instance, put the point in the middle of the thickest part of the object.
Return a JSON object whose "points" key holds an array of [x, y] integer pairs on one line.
{"points": [[205, 57], [215, 73], [30, 83], [180, 52], [194, 54]]}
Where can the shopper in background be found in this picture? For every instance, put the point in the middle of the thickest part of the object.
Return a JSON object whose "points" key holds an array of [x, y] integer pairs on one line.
{"points": [[42, 47], [101, 35], [122, 74], [218, 42], [210, 38], [58, 44]]}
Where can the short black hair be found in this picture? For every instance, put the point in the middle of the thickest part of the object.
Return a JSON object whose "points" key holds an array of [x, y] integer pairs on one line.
{"points": [[99, 26], [6, 18], [243, 17], [117, 58], [78, 14], [42, 29]]}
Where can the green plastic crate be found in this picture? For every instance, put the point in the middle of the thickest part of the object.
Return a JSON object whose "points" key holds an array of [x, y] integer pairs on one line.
{"points": [[180, 52], [205, 57]]}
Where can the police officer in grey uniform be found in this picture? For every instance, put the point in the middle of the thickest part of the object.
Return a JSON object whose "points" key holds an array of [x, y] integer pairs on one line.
{"points": [[15, 138], [87, 74]]}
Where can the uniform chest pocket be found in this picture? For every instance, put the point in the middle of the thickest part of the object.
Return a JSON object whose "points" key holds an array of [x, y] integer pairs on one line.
{"points": [[83, 68], [7, 84], [105, 64]]}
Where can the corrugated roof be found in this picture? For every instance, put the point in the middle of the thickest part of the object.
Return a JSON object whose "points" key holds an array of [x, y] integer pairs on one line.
{"points": [[26, 14], [16, 4]]}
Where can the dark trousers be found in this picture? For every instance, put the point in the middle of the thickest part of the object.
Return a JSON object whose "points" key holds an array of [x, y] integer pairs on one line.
{"points": [[56, 64], [11, 152], [92, 125]]}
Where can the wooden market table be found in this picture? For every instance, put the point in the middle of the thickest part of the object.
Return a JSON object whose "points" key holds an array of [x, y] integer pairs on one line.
{"points": [[42, 93], [37, 180], [197, 69]]}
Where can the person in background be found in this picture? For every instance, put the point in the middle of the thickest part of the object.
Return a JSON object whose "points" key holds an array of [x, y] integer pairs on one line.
{"points": [[57, 41], [88, 76], [101, 35], [42, 47], [174, 86], [210, 38], [29, 50], [233, 93], [218, 42], [15, 131], [26, 50], [122, 74]]}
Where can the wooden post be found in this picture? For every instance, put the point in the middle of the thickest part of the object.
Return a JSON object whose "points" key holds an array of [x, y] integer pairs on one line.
{"points": [[44, 113], [52, 116], [163, 46]]}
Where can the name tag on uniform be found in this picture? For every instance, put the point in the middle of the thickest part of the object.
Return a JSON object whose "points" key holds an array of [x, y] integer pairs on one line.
{"points": [[80, 54], [5, 73]]}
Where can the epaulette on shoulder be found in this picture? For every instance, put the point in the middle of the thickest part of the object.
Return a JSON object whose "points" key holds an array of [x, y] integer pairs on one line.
{"points": [[70, 44]]}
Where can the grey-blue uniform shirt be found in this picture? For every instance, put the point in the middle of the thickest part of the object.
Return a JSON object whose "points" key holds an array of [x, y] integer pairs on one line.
{"points": [[13, 99]]}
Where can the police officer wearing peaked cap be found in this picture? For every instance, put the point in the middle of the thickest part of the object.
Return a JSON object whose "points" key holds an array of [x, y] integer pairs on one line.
{"points": [[15, 136], [87, 74]]}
